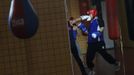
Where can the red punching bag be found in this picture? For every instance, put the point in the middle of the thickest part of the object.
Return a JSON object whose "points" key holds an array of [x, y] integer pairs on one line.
{"points": [[22, 20], [112, 19], [84, 6]]}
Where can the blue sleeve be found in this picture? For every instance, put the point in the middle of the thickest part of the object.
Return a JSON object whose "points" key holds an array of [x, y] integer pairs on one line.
{"points": [[82, 27]]}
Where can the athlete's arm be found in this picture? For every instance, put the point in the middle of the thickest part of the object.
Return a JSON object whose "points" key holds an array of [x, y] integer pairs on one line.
{"points": [[81, 18]]}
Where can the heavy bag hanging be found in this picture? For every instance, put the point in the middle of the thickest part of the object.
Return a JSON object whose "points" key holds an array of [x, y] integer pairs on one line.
{"points": [[84, 6], [22, 20], [130, 17], [112, 19], [99, 9]]}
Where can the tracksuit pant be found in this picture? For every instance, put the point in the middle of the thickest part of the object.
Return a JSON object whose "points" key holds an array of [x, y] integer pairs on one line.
{"points": [[100, 48]]}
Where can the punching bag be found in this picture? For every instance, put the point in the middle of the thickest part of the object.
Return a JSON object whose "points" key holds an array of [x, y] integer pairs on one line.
{"points": [[129, 4], [84, 6], [112, 19], [22, 20], [99, 9]]}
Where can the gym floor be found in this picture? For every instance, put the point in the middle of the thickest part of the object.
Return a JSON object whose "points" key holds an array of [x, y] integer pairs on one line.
{"points": [[102, 67]]}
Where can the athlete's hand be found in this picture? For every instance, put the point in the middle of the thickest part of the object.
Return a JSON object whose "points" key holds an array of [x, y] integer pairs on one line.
{"points": [[94, 35]]}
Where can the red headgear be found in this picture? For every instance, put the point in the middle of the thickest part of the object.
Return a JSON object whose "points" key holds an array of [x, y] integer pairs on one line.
{"points": [[93, 12]]}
